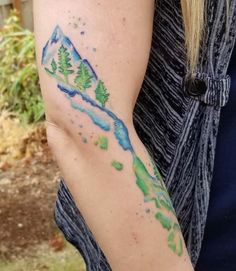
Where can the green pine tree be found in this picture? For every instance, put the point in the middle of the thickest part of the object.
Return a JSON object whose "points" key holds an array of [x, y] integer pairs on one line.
{"points": [[64, 62], [53, 66], [101, 93], [83, 78]]}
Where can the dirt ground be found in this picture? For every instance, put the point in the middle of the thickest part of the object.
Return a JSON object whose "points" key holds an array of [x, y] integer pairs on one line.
{"points": [[29, 177], [27, 196]]}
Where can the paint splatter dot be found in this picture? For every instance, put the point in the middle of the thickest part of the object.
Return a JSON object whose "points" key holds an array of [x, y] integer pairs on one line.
{"points": [[117, 165], [103, 142], [84, 140]]}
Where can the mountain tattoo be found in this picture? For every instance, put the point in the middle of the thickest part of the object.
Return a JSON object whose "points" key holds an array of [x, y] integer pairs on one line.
{"points": [[76, 78]]}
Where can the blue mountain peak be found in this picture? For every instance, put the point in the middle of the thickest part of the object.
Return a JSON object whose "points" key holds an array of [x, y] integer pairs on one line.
{"points": [[56, 40], [57, 35]]}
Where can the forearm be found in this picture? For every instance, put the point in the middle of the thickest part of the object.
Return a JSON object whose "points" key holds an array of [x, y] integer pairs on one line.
{"points": [[89, 109]]}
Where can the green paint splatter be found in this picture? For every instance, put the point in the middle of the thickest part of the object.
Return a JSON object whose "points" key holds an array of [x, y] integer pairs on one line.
{"points": [[142, 185], [103, 142], [176, 247], [164, 220], [117, 165], [181, 250]]}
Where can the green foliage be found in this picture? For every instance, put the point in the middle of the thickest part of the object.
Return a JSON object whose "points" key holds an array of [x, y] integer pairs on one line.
{"points": [[64, 62], [83, 78], [101, 93], [53, 66], [19, 83]]}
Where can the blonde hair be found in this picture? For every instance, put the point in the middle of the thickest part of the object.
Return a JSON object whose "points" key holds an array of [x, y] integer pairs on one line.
{"points": [[193, 18]]}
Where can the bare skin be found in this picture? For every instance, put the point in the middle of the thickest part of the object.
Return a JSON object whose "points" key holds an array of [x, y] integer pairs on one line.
{"points": [[115, 36]]}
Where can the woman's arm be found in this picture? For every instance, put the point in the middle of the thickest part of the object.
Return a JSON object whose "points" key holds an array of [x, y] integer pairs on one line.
{"points": [[92, 56]]}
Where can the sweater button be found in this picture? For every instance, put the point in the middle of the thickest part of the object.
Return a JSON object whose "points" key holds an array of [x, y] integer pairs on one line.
{"points": [[195, 87]]}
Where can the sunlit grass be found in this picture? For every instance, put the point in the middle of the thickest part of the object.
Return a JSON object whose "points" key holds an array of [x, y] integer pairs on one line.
{"points": [[45, 259]]}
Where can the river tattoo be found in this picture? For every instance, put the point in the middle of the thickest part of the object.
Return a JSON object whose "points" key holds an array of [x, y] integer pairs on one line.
{"points": [[87, 94]]}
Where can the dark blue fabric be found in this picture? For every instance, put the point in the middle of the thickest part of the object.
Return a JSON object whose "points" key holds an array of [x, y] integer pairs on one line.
{"points": [[219, 245]]}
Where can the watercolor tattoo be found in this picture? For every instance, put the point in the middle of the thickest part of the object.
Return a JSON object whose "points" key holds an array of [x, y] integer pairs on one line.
{"points": [[87, 94]]}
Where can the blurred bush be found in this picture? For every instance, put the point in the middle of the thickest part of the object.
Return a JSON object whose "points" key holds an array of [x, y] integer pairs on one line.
{"points": [[19, 81]]}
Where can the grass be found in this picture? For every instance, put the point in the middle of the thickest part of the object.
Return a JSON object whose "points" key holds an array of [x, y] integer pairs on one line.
{"points": [[45, 259]]}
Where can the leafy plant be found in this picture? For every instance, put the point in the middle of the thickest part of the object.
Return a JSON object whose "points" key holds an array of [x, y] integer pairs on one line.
{"points": [[83, 78], [19, 82], [101, 93], [64, 62]]}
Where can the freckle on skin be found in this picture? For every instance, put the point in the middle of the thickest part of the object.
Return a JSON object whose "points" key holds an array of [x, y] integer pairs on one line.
{"points": [[134, 235], [123, 20]]}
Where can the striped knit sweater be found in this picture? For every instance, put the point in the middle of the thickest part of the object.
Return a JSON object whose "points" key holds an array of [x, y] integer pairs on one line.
{"points": [[178, 127]]}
